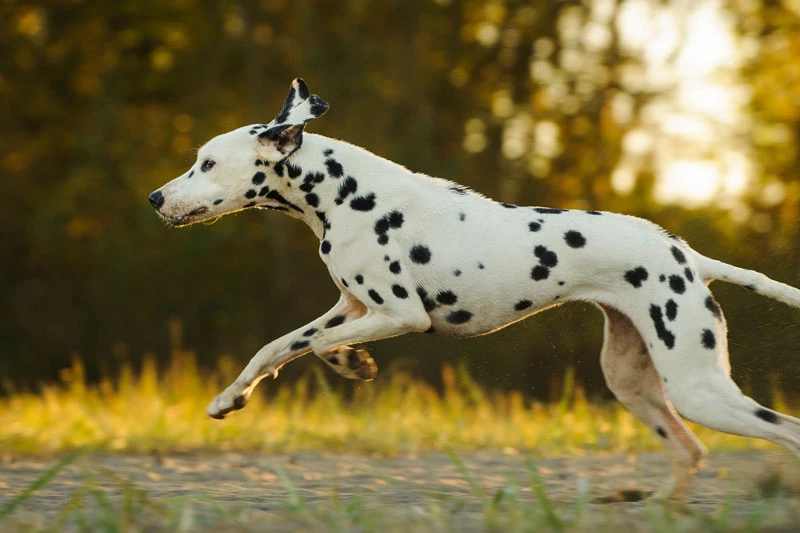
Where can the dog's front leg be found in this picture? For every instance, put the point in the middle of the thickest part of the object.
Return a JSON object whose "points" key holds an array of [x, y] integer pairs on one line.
{"points": [[277, 353]]}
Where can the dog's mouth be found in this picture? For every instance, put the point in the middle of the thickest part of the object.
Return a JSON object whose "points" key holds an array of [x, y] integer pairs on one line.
{"points": [[195, 215]]}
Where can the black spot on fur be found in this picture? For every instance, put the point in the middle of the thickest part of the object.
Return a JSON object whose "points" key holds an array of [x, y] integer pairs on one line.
{"points": [[548, 210], [279, 169], [383, 239], [509, 206], [326, 152], [309, 332], [534, 226], [768, 416], [661, 329], [347, 187], [456, 272], [661, 432], [689, 275], [678, 255], [363, 203], [287, 106], [375, 296], [593, 213], [522, 304], [258, 178], [338, 320], [427, 302], [480, 266], [395, 219], [360, 279], [250, 194], [546, 257], [708, 339], [318, 106], [334, 168], [637, 276], [299, 345], [311, 180], [302, 89], [264, 190], [446, 298], [712, 306], [394, 267], [344, 282], [575, 239], [249, 204], [191, 173], [750, 287], [382, 226], [312, 199], [218, 201], [539, 273], [420, 254], [293, 170], [322, 218], [275, 195], [462, 217], [239, 402], [671, 310], [662, 278], [458, 189], [676, 284], [325, 247], [459, 317], [399, 291], [561, 282]]}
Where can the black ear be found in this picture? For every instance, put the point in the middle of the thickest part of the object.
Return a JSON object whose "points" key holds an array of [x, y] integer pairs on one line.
{"points": [[298, 92], [284, 134]]}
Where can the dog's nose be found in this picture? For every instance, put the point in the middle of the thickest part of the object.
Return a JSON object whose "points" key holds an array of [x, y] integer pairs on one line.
{"points": [[156, 199]]}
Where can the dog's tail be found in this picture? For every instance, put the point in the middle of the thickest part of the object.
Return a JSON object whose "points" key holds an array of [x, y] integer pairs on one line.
{"points": [[755, 281]]}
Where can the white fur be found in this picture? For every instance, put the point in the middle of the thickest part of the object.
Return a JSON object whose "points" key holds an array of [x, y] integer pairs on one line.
{"points": [[492, 260]]}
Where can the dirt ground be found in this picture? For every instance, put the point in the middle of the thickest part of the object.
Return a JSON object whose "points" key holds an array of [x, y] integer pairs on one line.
{"points": [[253, 482]]}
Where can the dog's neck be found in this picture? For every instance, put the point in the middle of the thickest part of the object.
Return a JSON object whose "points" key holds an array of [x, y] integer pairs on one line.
{"points": [[328, 168]]}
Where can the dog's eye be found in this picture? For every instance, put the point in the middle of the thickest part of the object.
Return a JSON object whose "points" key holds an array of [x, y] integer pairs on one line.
{"points": [[207, 165]]}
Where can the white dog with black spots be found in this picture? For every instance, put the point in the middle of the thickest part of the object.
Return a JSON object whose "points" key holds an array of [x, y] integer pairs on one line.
{"points": [[412, 253]]}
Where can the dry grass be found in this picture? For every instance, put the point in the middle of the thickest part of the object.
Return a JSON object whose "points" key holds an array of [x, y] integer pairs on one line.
{"points": [[395, 414]]}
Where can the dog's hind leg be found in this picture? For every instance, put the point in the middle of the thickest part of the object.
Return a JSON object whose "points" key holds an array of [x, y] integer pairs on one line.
{"points": [[631, 376], [688, 346]]}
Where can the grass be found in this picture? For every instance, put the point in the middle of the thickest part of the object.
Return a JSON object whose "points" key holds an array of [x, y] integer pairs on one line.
{"points": [[105, 501], [395, 414], [157, 413]]}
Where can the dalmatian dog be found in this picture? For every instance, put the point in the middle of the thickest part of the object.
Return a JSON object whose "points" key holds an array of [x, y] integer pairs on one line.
{"points": [[413, 253]]}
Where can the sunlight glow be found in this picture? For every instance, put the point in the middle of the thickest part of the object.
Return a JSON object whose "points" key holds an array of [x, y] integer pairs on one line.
{"points": [[690, 54]]}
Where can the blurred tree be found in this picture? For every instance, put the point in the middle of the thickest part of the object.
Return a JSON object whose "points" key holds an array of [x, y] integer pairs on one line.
{"points": [[564, 103]]}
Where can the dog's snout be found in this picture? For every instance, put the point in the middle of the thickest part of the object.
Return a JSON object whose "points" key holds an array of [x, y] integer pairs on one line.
{"points": [[156, 199]]}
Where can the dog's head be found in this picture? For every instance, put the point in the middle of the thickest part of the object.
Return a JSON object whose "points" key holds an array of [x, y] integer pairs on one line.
{"points": [[236, 170]]}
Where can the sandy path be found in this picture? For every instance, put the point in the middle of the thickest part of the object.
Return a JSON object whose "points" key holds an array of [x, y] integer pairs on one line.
{"points": [[252, 481]]}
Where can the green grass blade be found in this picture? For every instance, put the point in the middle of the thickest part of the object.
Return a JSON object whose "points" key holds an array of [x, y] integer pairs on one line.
{"points": [[538, 488], [37, 484]]}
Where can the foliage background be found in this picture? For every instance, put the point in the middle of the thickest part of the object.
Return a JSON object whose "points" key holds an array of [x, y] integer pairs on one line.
{"points": [[539, 102]]}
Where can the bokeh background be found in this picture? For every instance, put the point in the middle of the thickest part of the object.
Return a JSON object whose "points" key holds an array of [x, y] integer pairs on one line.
{"points": [[683, 112]]}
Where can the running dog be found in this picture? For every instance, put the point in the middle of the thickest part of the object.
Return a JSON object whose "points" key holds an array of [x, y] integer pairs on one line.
{"points": [[412, 253]]}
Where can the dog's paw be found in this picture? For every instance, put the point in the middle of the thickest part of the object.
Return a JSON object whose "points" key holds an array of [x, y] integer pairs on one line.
{"points": [[225, 402], [351, 363]]}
